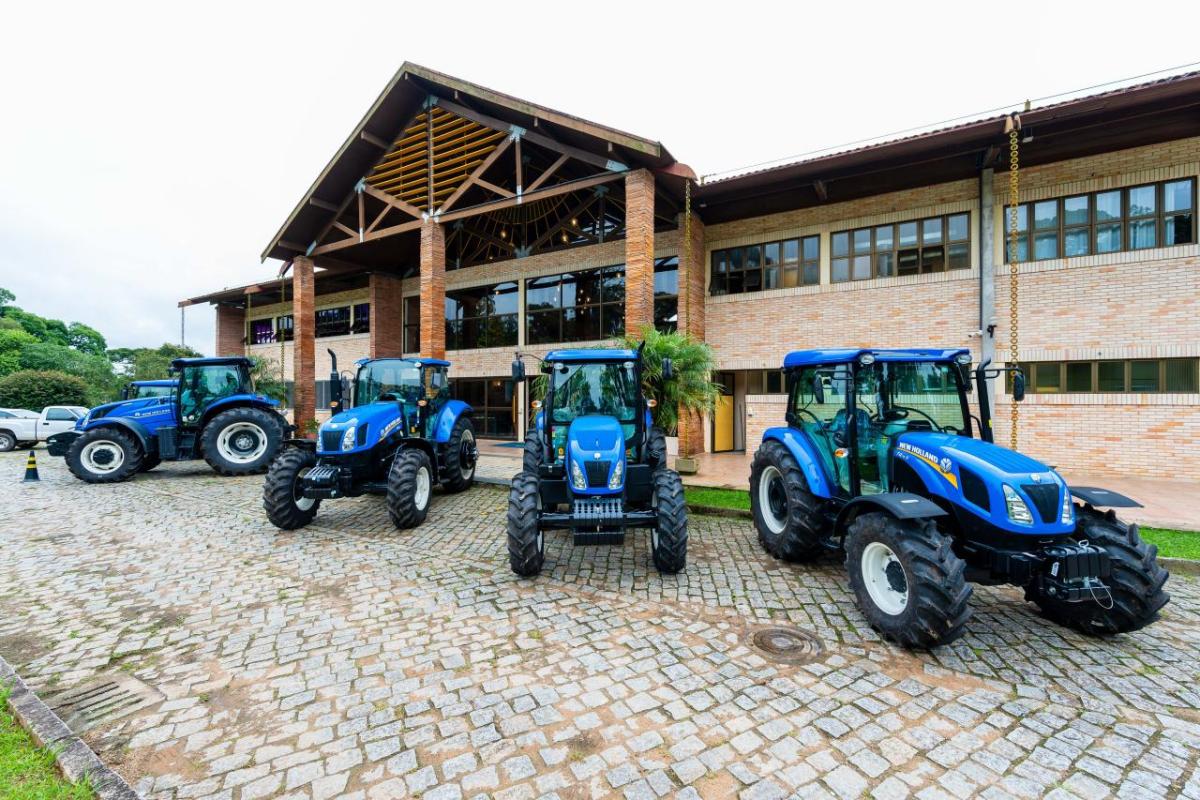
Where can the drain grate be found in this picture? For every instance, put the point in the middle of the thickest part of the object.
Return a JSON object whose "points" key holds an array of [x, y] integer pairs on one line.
{"points": [[105, 699], [791, 645]]}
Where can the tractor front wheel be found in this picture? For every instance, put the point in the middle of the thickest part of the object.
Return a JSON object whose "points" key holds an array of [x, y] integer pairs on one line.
{"points": [[786, 514], [656, 447], [461, 455], [104, 455], [531, 458], [241, 441], [908, 582], [526, 542], [1135, 587], [286, 507], [410, 485], [669, 536]]}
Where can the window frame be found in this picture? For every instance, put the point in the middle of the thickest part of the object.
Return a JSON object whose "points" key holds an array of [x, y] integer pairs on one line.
{"points": [[797, 268], [486, 320], [895, 248], [603, 307], [1033, 369]]}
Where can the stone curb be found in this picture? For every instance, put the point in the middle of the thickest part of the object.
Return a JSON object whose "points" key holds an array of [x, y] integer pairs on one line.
{"points": [[75, 759]]}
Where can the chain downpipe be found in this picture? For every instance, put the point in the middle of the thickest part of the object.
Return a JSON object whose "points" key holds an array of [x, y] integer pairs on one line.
{"points": [[1014, 199]]}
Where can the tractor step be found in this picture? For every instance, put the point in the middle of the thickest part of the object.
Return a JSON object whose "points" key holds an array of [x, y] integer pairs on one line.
{"points": [[600, 537]]}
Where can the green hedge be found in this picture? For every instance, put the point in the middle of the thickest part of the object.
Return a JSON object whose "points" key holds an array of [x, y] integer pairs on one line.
{"points": [[35, 389]]}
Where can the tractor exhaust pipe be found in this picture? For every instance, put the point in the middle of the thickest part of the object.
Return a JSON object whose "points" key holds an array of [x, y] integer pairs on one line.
{"points": [[336, 401]]}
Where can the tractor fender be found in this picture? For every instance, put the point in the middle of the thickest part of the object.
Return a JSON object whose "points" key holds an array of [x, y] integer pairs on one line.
{"points": [[805, 453], [238, 401], [414, 443], [149, 443], [446, 418], [901, 505], [1103, 498]]}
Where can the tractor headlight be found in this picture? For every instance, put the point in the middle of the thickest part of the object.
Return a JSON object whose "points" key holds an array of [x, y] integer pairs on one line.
{"points": [[1068, 513], [348, 437], [618, 473], [577, 479], [1018, 512]]}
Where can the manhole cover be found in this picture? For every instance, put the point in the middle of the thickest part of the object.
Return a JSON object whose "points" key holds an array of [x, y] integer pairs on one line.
{"points": [[787, 644], [102, 700]]}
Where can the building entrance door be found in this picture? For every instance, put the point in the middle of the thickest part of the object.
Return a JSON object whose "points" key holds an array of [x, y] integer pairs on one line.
{"points": [[723, 417]]}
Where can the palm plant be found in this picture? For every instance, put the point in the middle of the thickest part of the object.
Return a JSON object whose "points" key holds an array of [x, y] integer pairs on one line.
{"points": [[691, 388]]}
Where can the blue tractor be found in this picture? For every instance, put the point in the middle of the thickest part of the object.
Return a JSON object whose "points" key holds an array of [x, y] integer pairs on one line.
{"points": [[139, 390], [594, 464], [212, 413], [882, 459], [402, 436]]}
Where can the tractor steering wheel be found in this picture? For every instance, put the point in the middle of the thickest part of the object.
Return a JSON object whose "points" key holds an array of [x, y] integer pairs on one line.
{"points": [[907, 409], [390, 397]]}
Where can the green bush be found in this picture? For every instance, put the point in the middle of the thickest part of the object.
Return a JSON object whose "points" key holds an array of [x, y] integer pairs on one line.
{"points": [[34, 390]]}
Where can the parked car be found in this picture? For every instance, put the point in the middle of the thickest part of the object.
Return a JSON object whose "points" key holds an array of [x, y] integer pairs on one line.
{"points": [[20, 427]]}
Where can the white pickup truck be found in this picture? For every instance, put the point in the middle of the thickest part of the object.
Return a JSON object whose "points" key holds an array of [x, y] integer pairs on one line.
{"points": [[21, 428]]}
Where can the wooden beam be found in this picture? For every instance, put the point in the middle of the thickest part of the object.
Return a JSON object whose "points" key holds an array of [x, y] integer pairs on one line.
{"points": [[529, 197], [482, 168], [579, 208], [500, 190], [299, 248], [370, 237], [367, 136], [519, 166], [540, 179], [393, 201], [346, 229], [504, 244], [821, 190], [323, 204]]}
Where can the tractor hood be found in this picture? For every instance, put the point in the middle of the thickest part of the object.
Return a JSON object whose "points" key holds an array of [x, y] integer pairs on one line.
{"points": [[973, 473], [595, 449], [122, 408], [370, 422]]}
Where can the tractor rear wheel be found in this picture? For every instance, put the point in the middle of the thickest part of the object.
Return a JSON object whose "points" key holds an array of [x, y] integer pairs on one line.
{"points": [[531, 458], [410, 485], [526, 542], [669, 536], [786, 514], [656, 447], [241, 441], [1136, 582], [286, 507], [104, 455], [908, 582], [461, 455]]}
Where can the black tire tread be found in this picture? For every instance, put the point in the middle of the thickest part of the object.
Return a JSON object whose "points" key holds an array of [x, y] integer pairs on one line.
{"points": [[454, 480], [266, 420], [279, 490], [402, 487], [133, 455], [531, 456], [801, 540], [670, 556], [656, 447], [524, 556]]}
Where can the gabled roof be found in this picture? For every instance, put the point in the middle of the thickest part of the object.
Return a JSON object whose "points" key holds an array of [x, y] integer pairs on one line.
{"points": [[404, 97]]}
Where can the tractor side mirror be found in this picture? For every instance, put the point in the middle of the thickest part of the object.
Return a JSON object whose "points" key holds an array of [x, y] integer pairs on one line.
{"points": [[818, 389], [1018, 386], [518, 372], [668, 369]]}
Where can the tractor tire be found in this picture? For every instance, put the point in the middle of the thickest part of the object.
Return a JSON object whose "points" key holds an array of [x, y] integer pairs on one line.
{"points": [[526, 543], [908, 582], [786, 514], [461, 455], [8, 442], [150, 462], [669, 536], [285, 508], [656, 448], [532, 456], [410, 487], [241, 441], [104, 455], [1136, 582]]}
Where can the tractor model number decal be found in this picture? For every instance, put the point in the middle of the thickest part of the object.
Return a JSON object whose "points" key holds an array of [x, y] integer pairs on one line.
{"points": [[391, 426], [940, 466], [156, 412]]}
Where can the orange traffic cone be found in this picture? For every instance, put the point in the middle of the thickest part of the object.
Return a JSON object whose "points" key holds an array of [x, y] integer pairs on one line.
{"points": [[31, 473]]}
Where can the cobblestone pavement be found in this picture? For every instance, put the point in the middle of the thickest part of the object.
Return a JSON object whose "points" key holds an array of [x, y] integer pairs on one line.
{"points": [[351, 660]]}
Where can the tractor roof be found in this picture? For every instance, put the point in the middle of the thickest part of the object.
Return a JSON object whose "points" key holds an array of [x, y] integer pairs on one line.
{"points": [[157, 382], [592, 354], [424, 362], [808, 358], [200, 362]]}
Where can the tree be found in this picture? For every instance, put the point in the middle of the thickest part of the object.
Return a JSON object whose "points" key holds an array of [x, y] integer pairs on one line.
{"points": [[691, 389], [12, 342], [96, 371], [265, 374], [35, 390], [86, 339], [6, 297], [148, 363]]}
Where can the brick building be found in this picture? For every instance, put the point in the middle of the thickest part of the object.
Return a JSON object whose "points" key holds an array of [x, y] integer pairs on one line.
{"points": [[460, 221]]}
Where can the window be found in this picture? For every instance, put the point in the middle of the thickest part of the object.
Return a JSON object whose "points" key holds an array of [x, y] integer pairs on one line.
{"points": [[60, 415], [491, 410], [482, 316], [1133, 218], [412, 324], [908, 248], [1148, 376], [775, 265], [284, 328], [666, 294], [262, 331], [362, 318], [333, 321], [578, 306]]}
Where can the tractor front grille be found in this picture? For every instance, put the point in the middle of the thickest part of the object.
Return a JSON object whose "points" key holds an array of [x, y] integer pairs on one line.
{"points": [[331, 441], [1045, 497], [597, 473], [599, 508]]}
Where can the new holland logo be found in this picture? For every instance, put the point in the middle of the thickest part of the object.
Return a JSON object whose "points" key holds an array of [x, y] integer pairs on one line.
{"points": [[391, 426], [943, 466]]}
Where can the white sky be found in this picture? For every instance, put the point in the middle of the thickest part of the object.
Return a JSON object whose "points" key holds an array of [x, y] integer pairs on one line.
{"points": [[148, 151]]}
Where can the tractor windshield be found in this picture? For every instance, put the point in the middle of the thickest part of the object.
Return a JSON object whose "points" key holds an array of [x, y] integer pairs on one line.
{"points": [[909, 392], [388, 379], [598, 388]]}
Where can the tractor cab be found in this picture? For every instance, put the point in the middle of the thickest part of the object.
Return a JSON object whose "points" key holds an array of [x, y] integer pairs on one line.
{"points": [[420, 387], [207, 382]]}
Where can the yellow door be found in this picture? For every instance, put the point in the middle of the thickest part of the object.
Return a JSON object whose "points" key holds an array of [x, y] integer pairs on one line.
{"points": [[723, 424]]}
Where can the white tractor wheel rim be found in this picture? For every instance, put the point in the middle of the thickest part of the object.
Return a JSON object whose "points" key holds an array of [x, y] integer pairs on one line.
{"points": [[771, 478], [876, 560], [242, 443], [102, 457], [421, 494], [303, 503]]}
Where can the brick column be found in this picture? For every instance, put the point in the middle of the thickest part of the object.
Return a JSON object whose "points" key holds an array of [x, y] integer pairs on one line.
{"points": [[691, 321], [639, 251], [304, 316], [387, 316], [231, 331], [433, 290]]}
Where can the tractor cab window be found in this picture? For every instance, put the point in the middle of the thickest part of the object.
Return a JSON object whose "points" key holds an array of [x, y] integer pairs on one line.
{"points": [[389, 379], [822, 415], [608, 389], [920, 396], [202, 385]]}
